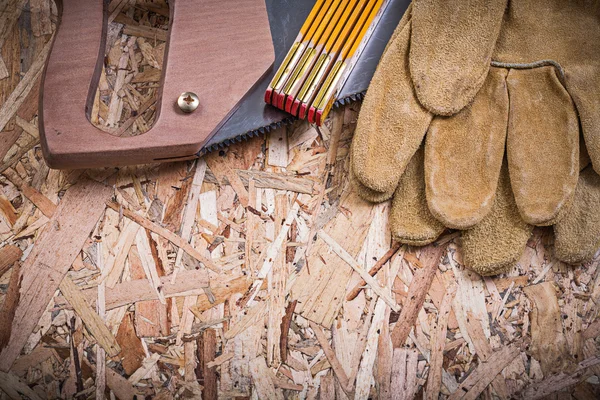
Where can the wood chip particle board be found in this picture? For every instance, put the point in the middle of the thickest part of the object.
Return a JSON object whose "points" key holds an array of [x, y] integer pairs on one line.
{"points": [[277, 154], [430, 259], [18, 96], [438, 343], [242, 341], [132, 351], [548, 343], [55, 251], [263, 380], [94, 324], [320, 293], [8, 256], [480, 378]]}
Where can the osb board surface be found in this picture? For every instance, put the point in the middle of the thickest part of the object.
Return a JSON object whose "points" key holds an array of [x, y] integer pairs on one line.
{"points": [[228, 277]]}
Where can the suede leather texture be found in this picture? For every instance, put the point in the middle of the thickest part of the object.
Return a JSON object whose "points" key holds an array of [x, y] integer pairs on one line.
{"points": [[367, 193], [495, 244], [411, 222], [463, 156], [452, 46], [535, 110], [542, 144], [577, 235], [452, 40], [392, 123], [567, 32]]}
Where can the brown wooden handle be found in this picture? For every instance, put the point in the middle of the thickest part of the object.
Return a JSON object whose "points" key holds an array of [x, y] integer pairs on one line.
{"points": [[216, 49]]}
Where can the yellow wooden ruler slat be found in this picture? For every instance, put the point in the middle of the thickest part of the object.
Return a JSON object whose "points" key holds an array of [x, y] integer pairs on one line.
{"points": [[322, 56]]}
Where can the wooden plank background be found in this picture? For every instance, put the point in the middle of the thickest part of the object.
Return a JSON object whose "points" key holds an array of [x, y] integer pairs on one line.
{"points": [[235, 276]]}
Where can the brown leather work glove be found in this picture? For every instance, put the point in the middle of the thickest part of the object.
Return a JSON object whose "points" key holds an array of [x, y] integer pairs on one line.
{"points": [[438, 62]]}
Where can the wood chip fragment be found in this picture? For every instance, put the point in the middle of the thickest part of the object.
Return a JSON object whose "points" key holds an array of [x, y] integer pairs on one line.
{"points": [[90, 318], [207, 376], [286, 321], [46, 206], [277, 152], [8, 256], [404, 374], [129, 292], [132, 351], [278, 181], [345, 383], [373, 271], [548, 343], [263, 380], [9, 306], [223, 358], [438, 344], [430, 259]]}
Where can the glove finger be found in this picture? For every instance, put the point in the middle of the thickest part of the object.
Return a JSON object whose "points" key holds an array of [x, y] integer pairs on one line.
{"points": [[578, 233], [363, 191], [583, 83], [391, 124], [366, 193], [542, 144], [463, 156], [498, 241], [411, 221], [451, 48]]}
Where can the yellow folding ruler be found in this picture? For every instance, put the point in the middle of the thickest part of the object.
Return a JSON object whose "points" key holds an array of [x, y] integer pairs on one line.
{"points": [[326, 50]]}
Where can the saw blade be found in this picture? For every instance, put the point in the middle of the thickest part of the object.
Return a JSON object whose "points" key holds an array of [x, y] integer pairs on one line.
{"points": [[254, 117]]}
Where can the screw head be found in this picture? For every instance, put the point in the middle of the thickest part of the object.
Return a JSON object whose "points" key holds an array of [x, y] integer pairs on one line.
{"points": [[188, 102]]}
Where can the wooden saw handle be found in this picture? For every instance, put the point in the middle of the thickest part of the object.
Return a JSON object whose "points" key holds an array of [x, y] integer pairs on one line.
{"points": [[217, 49]]}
